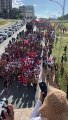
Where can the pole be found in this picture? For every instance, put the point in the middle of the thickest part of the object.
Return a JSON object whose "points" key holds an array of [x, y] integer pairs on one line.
{"points": [[63, 8], [57, 3]]}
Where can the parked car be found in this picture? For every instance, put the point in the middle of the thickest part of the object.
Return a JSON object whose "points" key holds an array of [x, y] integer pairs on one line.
{"points": [[4, 35], [1, 39], [14, 27], [19, 26], [9, 33], [10, 29]]}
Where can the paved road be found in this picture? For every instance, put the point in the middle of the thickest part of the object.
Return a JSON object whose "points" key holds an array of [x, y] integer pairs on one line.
{"points": [[19, 95], [5, 43]]}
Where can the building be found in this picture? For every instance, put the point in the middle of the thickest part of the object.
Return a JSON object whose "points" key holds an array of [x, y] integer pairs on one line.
{"points": [[5, 6], [22, 9], [27, 11], [0, 6]]}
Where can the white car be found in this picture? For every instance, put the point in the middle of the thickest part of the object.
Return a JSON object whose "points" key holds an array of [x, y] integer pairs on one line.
{"points": [[4, 35], [1, 39], [9, 33], [14, 27], [10, 29], [19, 26]]}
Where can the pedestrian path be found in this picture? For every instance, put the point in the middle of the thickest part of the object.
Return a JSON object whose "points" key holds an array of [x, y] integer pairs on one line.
{"points": [[51, 80]]}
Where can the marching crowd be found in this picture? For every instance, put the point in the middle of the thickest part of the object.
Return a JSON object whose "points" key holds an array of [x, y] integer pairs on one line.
{"points": [[22, 58]]}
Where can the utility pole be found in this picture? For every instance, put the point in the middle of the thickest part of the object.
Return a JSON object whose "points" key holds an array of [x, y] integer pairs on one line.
{"points": [[63, 9]]}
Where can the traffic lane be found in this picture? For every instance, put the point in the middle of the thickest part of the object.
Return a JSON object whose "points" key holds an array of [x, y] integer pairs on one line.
{"points": [[20, 96], [5, 43], [9, 25], [2, 27]]}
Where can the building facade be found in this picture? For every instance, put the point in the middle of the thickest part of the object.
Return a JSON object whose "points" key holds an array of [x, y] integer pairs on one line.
{"points": [[27, 11], [5, 6], [0, 6], [22, 9]]}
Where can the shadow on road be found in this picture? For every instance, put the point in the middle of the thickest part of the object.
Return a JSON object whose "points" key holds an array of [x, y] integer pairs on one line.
{"points": [[19, 95]]}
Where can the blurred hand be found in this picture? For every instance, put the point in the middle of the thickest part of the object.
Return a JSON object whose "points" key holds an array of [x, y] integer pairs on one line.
{"points": [[6, 116], [41, 96], [11, 115]]}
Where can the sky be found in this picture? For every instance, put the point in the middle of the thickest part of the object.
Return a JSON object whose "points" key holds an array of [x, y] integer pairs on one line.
{"points": [[44, 8]]}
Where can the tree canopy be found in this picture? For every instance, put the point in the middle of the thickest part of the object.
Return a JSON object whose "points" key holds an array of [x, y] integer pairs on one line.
{"points": [[65, 17]]}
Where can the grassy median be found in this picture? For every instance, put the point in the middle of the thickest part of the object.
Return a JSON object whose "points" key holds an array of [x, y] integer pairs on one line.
{"points": [[6, 21]]}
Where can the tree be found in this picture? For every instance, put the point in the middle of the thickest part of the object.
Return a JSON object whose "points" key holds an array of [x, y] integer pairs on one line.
{"points": [[4, 13], [14, 13], [65, 17]]}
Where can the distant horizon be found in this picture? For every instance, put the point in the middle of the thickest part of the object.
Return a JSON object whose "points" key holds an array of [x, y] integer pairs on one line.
{"points": [[44, 8]]}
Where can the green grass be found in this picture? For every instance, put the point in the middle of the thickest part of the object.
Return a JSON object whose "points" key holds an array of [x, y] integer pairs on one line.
{"points": [[5, 21], [55, 52], [65, 24]]}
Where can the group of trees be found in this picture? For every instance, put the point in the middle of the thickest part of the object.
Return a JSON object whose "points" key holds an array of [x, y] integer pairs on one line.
{"points": [[65, 17], [13, 14]]}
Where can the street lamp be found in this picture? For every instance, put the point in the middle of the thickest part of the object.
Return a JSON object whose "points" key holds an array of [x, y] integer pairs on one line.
{"points": [[63, 7], [63, 10]]}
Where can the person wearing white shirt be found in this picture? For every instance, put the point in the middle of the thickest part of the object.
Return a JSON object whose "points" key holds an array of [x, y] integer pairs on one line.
{"points": [[35, 115]]}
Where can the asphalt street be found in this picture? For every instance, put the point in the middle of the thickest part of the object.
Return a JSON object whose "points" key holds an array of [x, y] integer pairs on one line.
{"points": [[5, 43], [20, 96]]}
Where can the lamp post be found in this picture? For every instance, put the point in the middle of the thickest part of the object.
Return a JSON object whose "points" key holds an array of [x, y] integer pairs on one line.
{"points": [[62, 7], [63, 10]]}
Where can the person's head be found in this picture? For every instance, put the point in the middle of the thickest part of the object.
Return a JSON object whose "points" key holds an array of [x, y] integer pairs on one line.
{"points": [[55, 105]]}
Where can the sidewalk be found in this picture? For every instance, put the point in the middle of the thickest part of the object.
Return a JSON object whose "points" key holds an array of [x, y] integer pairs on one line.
{"points": [[40, 75], [51, 81]]}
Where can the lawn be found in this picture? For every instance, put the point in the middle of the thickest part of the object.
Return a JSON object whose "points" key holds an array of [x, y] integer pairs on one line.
{"points": [[5, 21], [2, 22], [58, 51]]}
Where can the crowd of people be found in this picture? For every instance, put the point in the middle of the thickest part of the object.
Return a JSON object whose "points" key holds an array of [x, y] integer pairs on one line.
{"points": [[21, 59], [21, 62]]}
